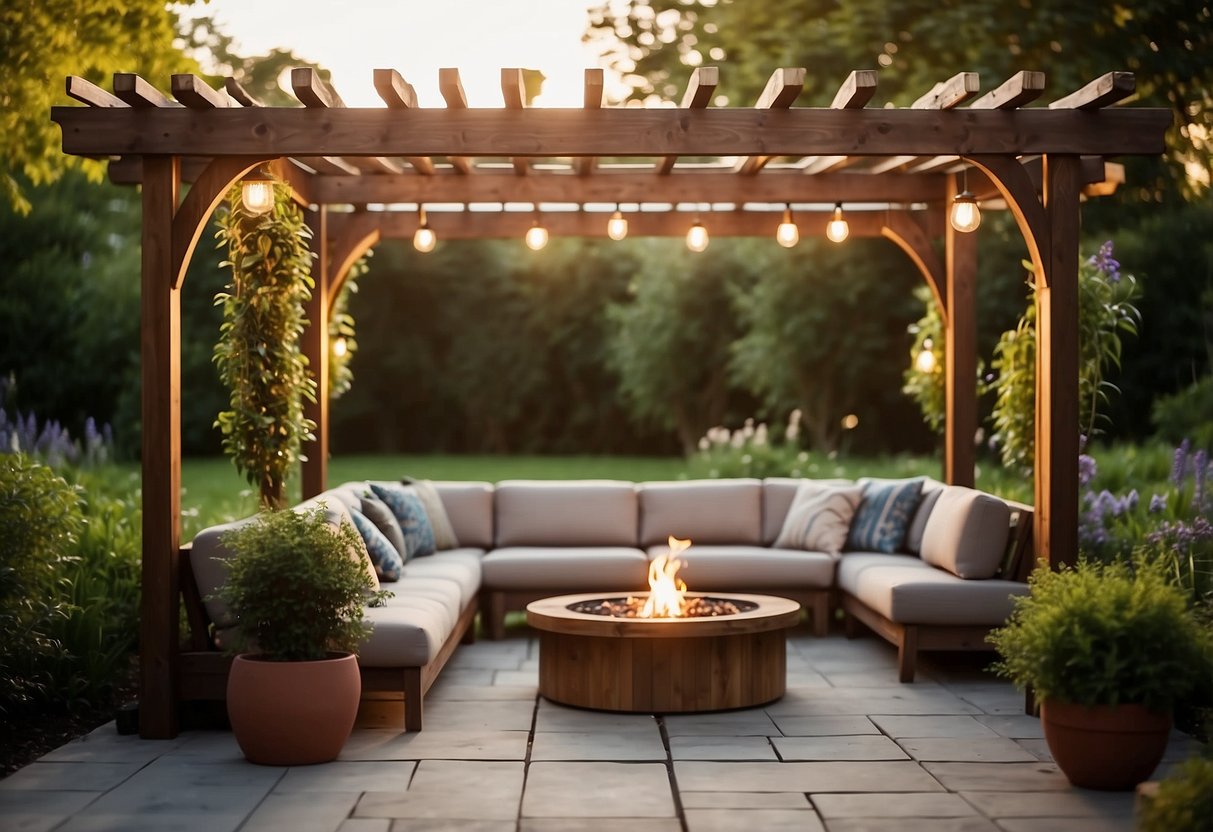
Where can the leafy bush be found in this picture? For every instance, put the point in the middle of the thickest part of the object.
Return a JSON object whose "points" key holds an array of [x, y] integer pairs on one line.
{"points": [[1187, 414], [41, 518], [1184, 801], [1104, 635], [294, 588]]}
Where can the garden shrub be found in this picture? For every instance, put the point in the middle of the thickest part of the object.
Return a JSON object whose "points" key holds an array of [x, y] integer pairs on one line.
{"points": [[1184, 801], [41, 517], [1187, 414]]}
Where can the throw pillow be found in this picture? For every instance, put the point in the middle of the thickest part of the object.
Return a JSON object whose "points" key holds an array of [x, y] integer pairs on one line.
{"points": [[884, 516], [819, 517], [444, 532], [410, 514], [388, 564], [378, 513]]}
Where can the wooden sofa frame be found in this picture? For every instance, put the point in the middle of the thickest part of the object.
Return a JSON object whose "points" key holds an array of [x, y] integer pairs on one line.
{"points": [[910, 638], [204, 668]]}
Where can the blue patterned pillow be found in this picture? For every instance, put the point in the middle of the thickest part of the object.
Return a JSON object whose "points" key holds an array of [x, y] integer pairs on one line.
{"points": [[383, 554], [884, 516], [410, 514]]}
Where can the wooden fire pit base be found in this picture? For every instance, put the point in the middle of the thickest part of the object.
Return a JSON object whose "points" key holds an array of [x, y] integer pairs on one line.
{"points": [[662, 665]]}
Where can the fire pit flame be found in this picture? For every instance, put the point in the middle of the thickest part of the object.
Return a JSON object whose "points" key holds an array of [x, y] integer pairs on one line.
{"points": [[666, 590]]}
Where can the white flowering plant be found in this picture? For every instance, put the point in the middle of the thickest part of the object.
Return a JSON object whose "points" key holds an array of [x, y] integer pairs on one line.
{"points": [[753, 450]]}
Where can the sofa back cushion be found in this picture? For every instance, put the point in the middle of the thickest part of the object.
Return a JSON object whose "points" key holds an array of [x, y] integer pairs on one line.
{"points": [[469, 505], [777, 496], [705, 511], [931, 489], [966, 533], [566, 513]]}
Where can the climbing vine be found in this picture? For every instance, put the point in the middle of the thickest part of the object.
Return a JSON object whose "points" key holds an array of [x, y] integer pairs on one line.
{"points": [[258, 354], [342, 343], [925, 381]]}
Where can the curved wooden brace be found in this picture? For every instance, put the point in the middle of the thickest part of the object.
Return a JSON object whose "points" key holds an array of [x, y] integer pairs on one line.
{"points": [[208, 189], [913, 240], [355, 239], [1013, 182]]}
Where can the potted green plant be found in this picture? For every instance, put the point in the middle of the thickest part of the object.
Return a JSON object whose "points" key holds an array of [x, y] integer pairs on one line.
{"points": [[1108, 649], [297, 587]]}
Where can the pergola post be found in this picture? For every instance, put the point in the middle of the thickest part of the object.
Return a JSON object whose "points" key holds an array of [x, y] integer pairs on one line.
{"points": [[960, 255], [160, 349], [1056, 464], [315, 345]]}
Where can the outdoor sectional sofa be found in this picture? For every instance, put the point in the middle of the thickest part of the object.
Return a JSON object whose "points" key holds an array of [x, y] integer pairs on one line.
{"points": [[965, 557]]}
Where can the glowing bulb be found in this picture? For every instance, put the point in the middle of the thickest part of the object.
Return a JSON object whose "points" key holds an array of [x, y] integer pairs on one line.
{"points": [[424, 239], [697, 237], [340, 347], [617, 226], [850, 421], [966, 216], [787, 235], [837, 229], [925, 362], [536, 237], [257, 195]]}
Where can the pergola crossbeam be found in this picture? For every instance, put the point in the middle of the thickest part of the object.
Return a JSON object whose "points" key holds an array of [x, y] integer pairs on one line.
{"points": [[192, 91], [312, 90], [513, 90], [782, 89], [594, 86], [854, 94], [451, 87], [398, 94], [945, 95], [138, 93], [698, 96], [86, 92], [1105, 90]]}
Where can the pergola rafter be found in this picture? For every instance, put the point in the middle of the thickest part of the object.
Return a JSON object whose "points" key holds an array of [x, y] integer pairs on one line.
{"points": [[895, 168]]}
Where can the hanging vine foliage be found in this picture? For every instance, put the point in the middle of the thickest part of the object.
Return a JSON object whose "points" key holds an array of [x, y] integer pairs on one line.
{"points": [[342, 332], [925, 381], [258, 353]]}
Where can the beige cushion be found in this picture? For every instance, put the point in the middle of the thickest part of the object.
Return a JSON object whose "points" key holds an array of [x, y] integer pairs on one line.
{"points": [[931, 489], [563, 568], [909, 591], [966, 533], [403, 635], [750, 568], [777, 496], [568, 513], [427, 595], [705, 511], [463, 572], [440, 522], [469, 507], [820, 517]]}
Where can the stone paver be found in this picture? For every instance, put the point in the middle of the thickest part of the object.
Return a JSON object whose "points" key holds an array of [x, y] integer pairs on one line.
{"points": [[566, 745], [768, 820], [831, 754], [445, 789], [597, 790], [885, 805], [838, 748]]}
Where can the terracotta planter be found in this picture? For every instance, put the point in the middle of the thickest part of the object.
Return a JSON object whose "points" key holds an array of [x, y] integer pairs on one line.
{"points": [[293, 713], [1112, 748]]}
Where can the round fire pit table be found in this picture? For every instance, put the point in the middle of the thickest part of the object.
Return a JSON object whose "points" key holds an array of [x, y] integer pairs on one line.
{"points": [[662, 665]]}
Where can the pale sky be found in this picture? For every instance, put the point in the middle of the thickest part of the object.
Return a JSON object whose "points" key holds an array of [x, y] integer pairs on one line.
{"points": [[417, 37]]}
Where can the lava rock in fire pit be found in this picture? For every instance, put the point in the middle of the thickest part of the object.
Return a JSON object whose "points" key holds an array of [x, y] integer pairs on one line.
{"points": [[694, 607]]}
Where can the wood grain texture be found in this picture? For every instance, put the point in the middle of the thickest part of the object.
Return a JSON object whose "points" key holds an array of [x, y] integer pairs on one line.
{"points": [[1105, 90], [314, 344], [782, 89], [1021, 88], [856, 91], [140, 94], [666, 674], [960, 349], [912, 238], [698, 95], [513, 90], [192, 91], [86, 92], [609, 132], [160, 348], [552, 614], [594, 85], [201, 201]]}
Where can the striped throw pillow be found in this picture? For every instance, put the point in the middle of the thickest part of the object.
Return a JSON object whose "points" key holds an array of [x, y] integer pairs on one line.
{"points": [[819, 517]]}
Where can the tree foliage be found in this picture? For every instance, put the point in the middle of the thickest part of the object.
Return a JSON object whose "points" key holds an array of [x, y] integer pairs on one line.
{"points": [[258, 353], [44, 41]]}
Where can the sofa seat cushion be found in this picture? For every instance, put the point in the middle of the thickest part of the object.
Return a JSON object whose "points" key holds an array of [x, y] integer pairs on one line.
{"points": [[420, 599], [967, 532], [403, 635], [469, 507], [909, 591], [747, 568], [566, 513], [438, 590], [704, 511], [572, 568], [463, 570]]}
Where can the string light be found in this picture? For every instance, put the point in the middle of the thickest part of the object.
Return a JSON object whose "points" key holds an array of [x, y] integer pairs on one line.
{"points": [[697, 236], [837, 228], [925, 362], [617, 226], [965, 215], [787, 235], [340, 347], [424, 238], [536, 235], [257, 192]]}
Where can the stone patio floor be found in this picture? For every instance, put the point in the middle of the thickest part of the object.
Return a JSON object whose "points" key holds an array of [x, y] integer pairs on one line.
{"points": [[847, 749]]}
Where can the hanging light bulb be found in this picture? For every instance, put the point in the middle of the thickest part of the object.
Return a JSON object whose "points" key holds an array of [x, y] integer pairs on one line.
{"points": [[257, 192], [787, 235], [617, 226], [965, 215], [697, 236], [837, 228], [536, 235], [925, 362], [340, 347], [424, 238]]}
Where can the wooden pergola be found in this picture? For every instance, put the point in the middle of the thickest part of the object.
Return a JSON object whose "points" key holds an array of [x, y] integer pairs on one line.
{"points": [[896, 170]]}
